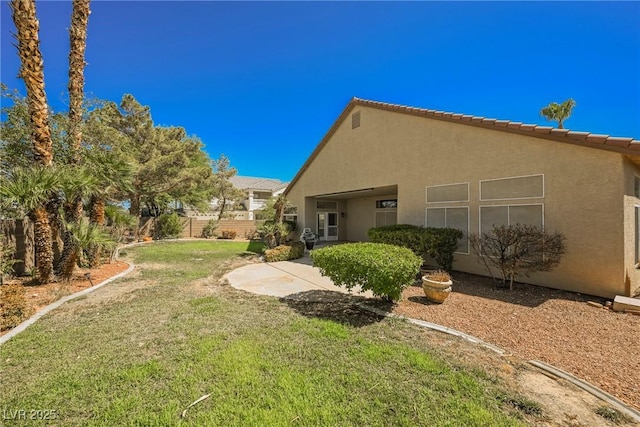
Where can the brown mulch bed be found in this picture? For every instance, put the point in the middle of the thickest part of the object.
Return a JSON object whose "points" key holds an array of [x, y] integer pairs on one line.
{"points": [[39, 296], [557, 327]]}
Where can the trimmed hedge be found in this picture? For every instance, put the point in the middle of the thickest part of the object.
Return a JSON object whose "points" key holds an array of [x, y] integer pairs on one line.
{"points": [[438, 243], [381, 268], [294, 250]]}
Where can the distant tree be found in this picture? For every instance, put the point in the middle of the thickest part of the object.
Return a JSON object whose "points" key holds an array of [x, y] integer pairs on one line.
{"points": [[222, 188], [558, 112]]}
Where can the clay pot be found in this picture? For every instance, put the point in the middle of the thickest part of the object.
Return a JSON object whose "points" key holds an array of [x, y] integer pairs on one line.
{"points": [[436, 291]]}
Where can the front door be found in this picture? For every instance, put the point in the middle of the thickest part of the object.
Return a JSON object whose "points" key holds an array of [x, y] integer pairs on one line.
{"points": [[327, 225]]}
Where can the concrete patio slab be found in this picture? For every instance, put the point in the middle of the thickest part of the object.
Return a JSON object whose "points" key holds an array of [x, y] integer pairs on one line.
{"points": [[283, 279]]}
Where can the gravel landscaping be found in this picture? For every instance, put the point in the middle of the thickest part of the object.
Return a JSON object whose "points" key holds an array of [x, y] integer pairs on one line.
{"points": [[533, 322]]}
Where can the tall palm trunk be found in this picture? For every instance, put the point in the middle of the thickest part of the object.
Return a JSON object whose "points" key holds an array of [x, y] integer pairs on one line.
{"points": [[42, 239], [32, 72], [97, 210], [78, 42]]}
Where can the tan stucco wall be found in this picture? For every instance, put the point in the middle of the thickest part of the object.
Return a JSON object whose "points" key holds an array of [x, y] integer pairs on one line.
{"points": [[632, 274], [583, 186]]}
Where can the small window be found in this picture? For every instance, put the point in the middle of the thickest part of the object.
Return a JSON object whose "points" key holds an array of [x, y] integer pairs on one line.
{"points": [[355, 120], [387, 204], [448, 193], [636, 187], [386, 218], [523, 187], [327, 205]]}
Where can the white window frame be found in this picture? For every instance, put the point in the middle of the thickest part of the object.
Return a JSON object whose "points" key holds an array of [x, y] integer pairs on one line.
{"points": [[514, 177], [426, 224], [426, 192]]}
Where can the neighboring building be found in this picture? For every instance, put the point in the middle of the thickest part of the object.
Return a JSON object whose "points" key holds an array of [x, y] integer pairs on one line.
{"points": [[257, 192], [383, 164]]}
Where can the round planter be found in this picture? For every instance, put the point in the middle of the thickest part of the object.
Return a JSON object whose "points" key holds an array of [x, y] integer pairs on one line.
{"points": [[436, 291]]}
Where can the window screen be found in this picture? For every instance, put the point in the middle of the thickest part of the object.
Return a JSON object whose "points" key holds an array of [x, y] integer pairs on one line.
{"points": [[448, 193], [512, 188], [457, 218], [510, 215], [324, 204]]}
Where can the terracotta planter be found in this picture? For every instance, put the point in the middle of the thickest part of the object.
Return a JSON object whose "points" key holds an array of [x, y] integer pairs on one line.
{"points": [[436, 291], [147, 239]]}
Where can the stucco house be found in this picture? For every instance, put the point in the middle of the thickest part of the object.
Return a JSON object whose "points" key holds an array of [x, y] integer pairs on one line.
{"points": [[383, 164], [257, 192]]}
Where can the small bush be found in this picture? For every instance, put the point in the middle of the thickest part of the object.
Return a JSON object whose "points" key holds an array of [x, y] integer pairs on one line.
{"points": [[381, 268], [13, 306], [227, 234], [209, 229], [438, 243], [518, 250], [294, 250], [168, 226]]}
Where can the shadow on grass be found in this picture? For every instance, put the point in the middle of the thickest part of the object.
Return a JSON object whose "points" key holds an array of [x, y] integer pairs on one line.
{"points": [[335, 306], [255, 246]]}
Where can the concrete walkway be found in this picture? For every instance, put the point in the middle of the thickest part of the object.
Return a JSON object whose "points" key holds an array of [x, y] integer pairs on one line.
{"points": [[283, 279]]}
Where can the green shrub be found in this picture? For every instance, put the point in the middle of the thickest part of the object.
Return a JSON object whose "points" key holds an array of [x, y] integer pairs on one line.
{"points": [[209, 229], [381, 268], [438, 243], [168, 226], [294, 250], [228, 234], [13, 306], [441, 244]]}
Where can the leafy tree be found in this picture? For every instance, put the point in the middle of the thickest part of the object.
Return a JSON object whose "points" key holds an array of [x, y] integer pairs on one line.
{"points": [[558, 112], [169, 164], [223, 190]]}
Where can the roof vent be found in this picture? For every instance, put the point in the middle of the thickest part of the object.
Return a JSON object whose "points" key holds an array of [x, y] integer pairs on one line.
{"points": [[355, 120]]}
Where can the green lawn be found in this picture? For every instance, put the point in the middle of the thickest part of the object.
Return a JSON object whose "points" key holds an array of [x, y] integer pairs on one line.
{"points": [[140, 350]]}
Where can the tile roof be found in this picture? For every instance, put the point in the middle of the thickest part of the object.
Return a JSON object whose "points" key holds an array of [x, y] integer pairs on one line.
{"points": [[547, 132], [254, 183], [629, 146]]}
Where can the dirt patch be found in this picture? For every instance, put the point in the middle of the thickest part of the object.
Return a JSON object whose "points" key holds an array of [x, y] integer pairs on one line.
{"points": [[557, 327], [41, 295]]}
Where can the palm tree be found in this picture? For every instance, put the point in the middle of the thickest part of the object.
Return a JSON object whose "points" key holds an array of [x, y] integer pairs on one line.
{"points": [[558, 112], [78, 43], [85, 237], [31, 71], [31, 189], [73, 183]]}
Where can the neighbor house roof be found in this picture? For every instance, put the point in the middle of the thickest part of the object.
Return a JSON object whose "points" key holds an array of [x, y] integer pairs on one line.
{"points": [[629, 146], [253, 183]]}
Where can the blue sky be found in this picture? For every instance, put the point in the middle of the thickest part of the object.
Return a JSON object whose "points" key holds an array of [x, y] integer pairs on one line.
{"points": [[262, 82]]}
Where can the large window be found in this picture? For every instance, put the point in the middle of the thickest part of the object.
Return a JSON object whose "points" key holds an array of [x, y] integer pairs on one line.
{"points": [[511, 215], [452, 217]]}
